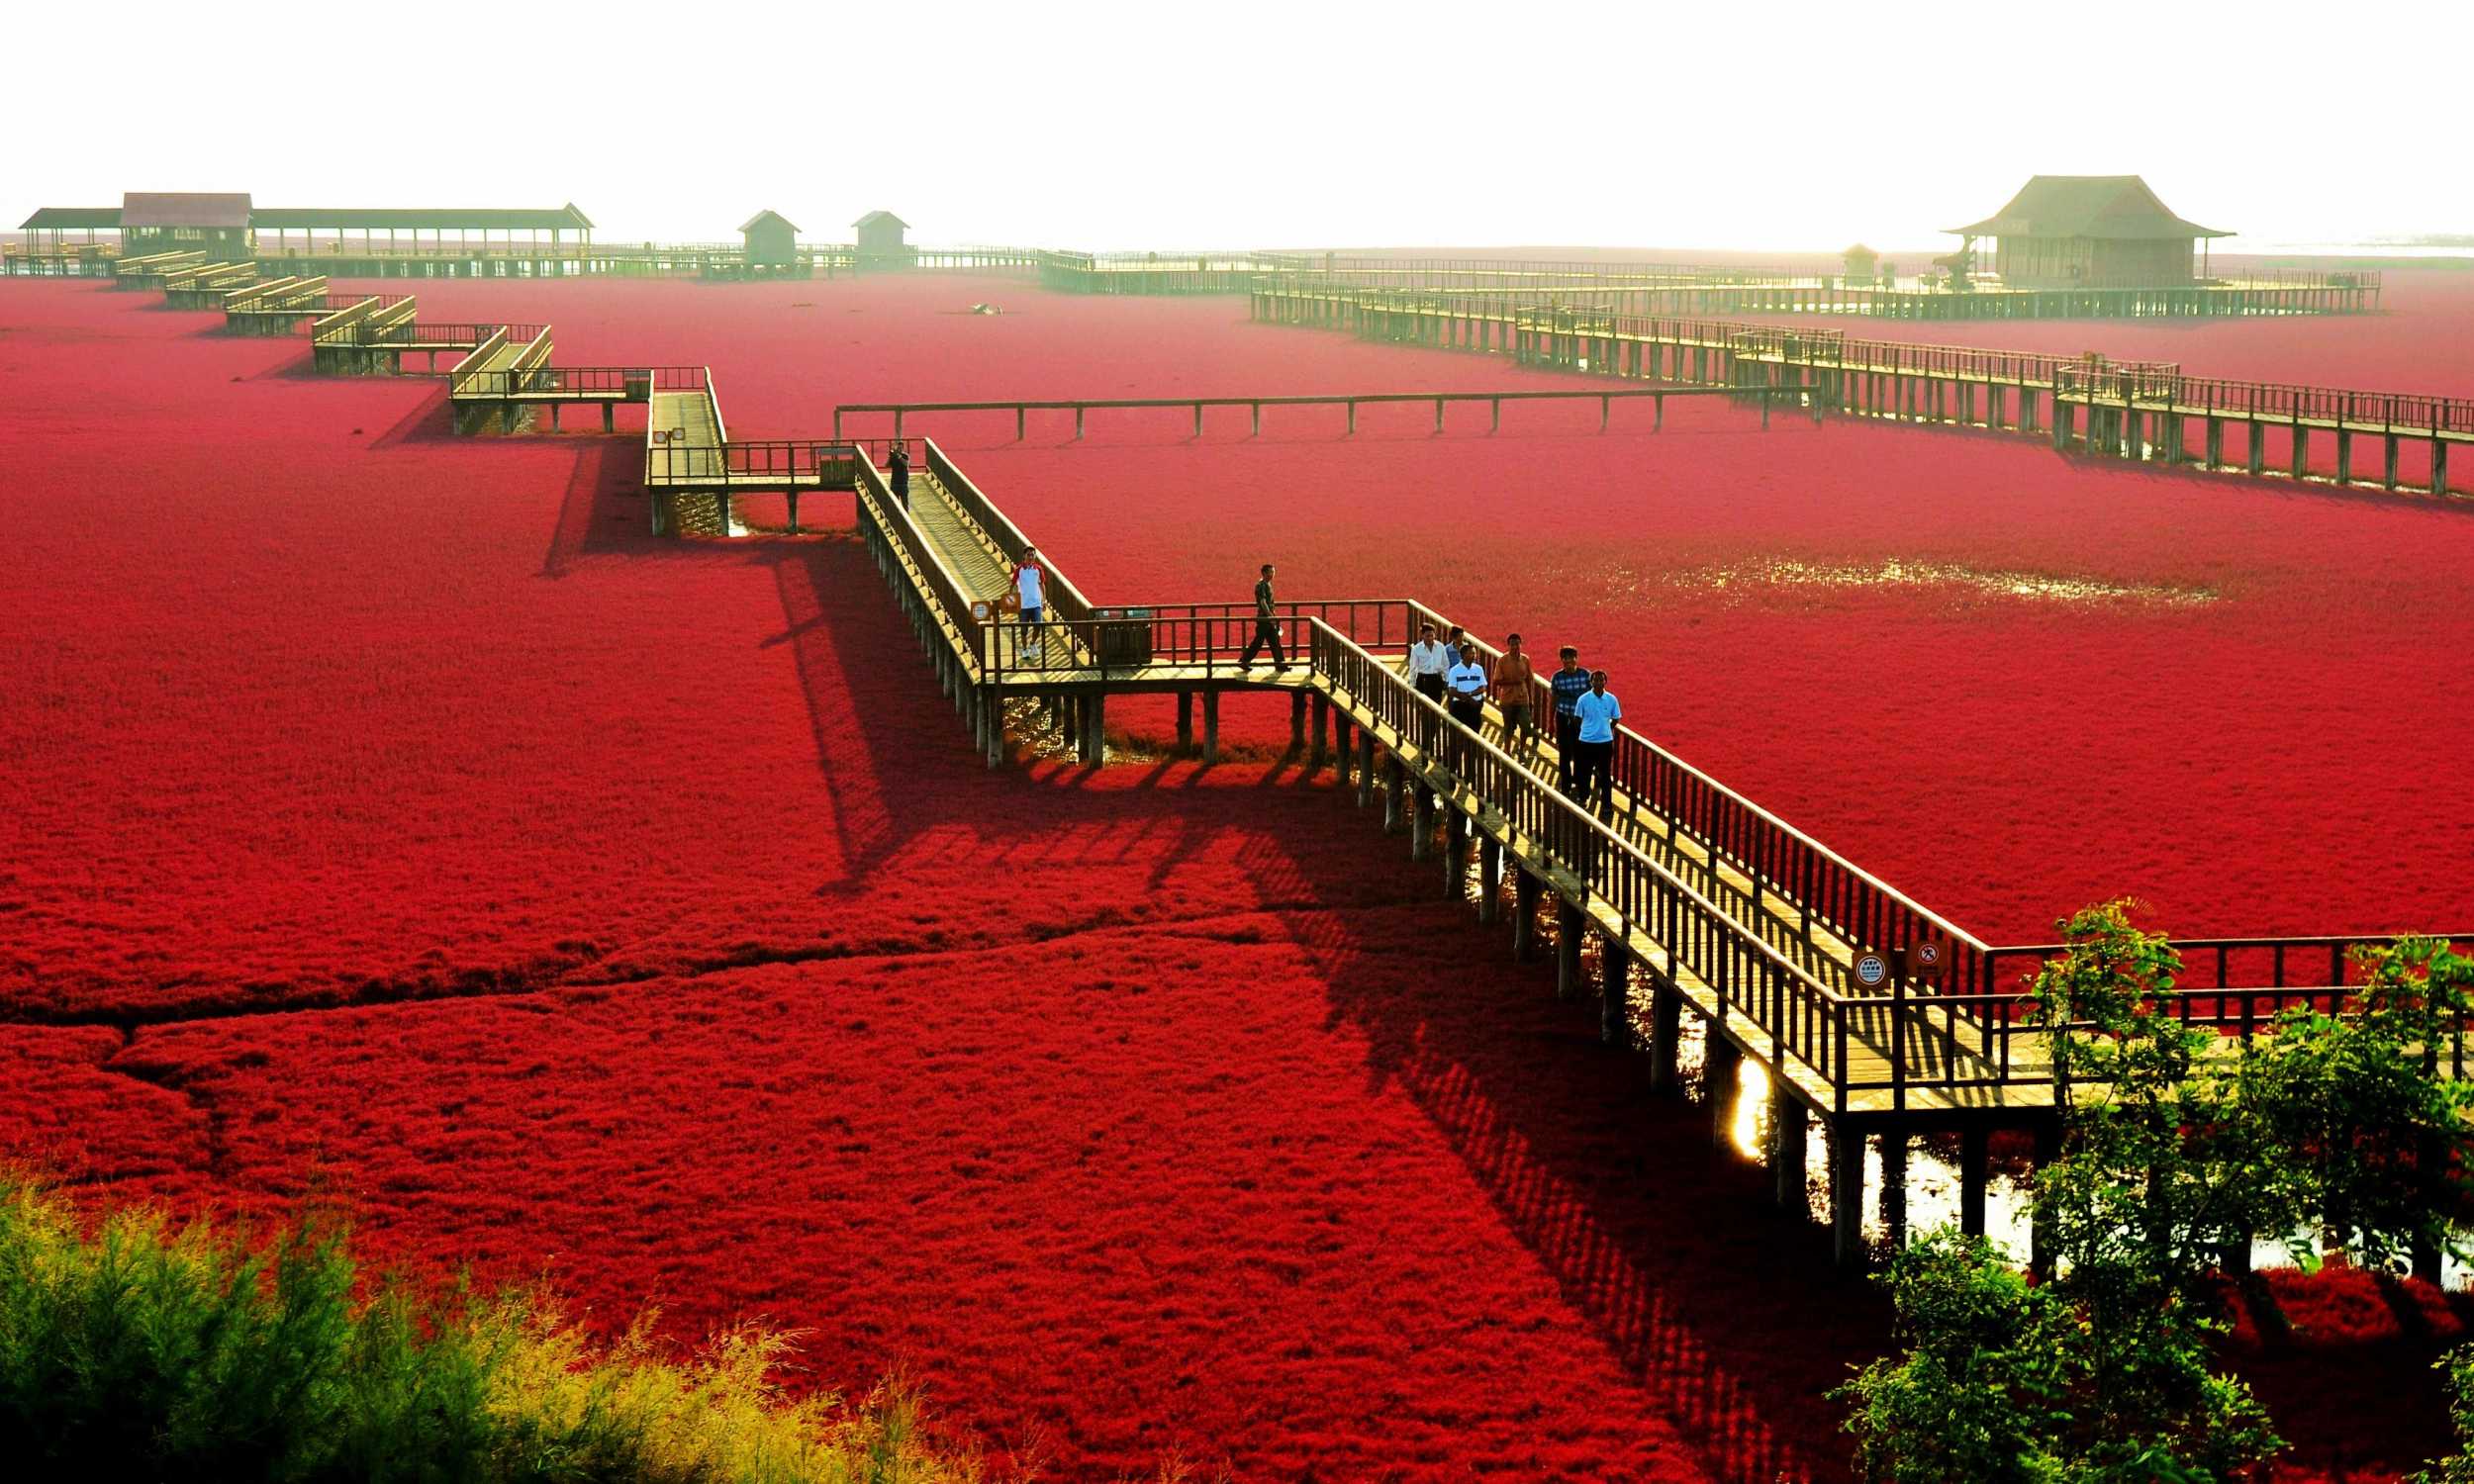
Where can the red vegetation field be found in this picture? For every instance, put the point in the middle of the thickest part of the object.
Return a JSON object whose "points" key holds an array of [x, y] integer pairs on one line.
{"points": [[384, 809]]}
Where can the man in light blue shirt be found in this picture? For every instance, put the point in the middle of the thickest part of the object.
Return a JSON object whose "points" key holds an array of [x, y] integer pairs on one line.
{"points": [[1594, 772]]}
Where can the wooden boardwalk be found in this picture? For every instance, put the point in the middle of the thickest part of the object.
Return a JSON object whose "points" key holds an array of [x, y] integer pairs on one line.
{"points": [[2144, 410]]}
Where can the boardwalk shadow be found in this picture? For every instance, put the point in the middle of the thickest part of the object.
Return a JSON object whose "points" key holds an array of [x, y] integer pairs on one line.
{"points": [[1727, 1313]]}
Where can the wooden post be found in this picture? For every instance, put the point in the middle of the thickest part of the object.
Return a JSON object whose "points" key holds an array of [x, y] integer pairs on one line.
{"points": [[1185, 721], [1973, 1158], [1421, 821], [1567, 923], [1456, 836], [1524, 916], [1846, 1198], [1210, 726], [1395, 788], [1366, 766], [1894, 1187], [1614, 992], [1666, 1033], [1094, 728], [1489, 878], [1790, 1130], [1297, 723], [1721, 1068], [2040, 1252], [1339, 745], [1320, 706]]}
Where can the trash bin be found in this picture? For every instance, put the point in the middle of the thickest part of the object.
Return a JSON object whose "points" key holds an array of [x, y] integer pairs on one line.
{"points": [[1125, 641], [639, 386]]}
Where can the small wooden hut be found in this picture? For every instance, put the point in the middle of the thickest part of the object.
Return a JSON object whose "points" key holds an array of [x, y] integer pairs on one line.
{"points": [[772, 240]]}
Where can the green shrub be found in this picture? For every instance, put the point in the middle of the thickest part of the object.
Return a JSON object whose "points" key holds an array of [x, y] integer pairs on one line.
{"points": [[2002, 1381], [2370, 1127], [147, 1350]]}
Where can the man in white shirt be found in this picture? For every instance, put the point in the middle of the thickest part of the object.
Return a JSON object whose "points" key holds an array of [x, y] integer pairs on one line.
{"points": [[1428, 662], [1467, 684], [1026, 586], [1593, 767], [1028, 582]]}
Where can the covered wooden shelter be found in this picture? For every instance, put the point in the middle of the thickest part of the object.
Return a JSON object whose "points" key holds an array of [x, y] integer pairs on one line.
{"points": [[772, 240], [2089, 231], [215, 223], [436, 227]]}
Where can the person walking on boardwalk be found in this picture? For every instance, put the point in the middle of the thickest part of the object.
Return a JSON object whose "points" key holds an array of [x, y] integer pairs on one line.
{"points": [[1029, 585], [1515, 695], [1428, 662], [898, 474], [1467, 684], [1265, 627], [1599, 710], [1569, 683]]}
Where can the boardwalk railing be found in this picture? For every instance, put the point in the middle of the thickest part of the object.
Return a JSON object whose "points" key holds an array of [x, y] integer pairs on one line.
{"points": [[1797, 394], [2276, 401], [578, 383], [800, 463]]}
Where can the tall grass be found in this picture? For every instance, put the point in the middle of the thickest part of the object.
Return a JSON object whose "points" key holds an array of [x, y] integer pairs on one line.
{"points": [[141, 1348]]}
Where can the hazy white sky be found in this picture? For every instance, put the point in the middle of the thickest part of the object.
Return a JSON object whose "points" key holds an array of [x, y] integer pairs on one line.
{"points": [[1103, 125]]}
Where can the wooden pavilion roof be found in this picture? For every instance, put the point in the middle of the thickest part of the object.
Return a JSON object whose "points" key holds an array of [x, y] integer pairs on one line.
{"points": [[2114, 207]]}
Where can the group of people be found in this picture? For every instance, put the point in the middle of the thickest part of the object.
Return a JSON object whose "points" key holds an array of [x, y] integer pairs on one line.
{"points": [[1451, 672], [1449, 669]]}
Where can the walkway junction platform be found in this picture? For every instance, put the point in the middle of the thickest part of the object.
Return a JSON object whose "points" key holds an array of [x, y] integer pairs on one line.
{"points": [[2139, 409], [1873, 1016]]}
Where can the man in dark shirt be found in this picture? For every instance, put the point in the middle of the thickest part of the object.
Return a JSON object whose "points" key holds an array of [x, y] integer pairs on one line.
{"points": [[1569, 684], [899, 475], [1266, 629]]}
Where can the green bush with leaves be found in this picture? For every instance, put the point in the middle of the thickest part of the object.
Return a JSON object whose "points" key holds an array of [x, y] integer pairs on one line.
{"points": [[2368, 1126], [2457, 1468], [2161, 1170], [2001, 1381], [145, 1350]]}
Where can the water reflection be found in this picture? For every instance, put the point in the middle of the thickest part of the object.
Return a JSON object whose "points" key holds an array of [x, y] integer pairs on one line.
{"points": [[1929, 1196]]}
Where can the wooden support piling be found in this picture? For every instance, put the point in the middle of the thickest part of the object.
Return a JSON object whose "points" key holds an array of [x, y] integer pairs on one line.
{"points": [[1524, 916], [1789, 1131], [1614, 992], [1720, 1084], [1666, 1033], [1210, 726], [1568, 925], [1846, 1198], [1975, 1169], [1895, 1146], [1489, 878]]}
